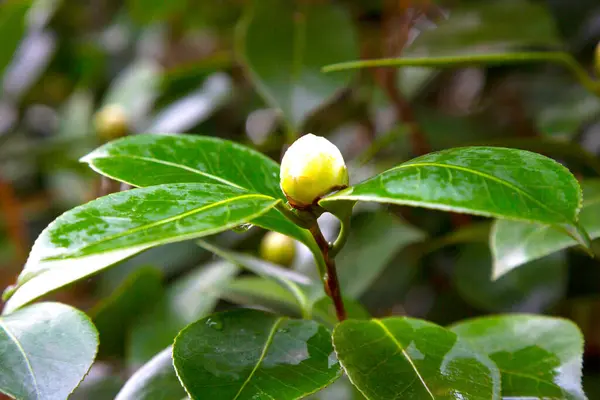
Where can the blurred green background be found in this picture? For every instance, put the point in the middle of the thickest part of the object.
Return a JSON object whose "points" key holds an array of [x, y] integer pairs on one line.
{"points": [[250, 71]]}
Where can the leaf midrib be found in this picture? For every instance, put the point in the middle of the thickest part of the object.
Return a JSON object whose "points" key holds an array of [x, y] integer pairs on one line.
{"points": [[404, 353], [22, 350], [170, 164], [262, 355], [157, 223], [475, 172]]}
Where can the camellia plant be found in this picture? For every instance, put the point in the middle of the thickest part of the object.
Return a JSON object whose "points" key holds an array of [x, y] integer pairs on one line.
{"points": [[435, 205], [189, 187]]}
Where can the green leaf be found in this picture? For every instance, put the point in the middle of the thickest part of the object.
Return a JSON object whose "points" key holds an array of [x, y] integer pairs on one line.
{"points": [[249, 354], [284, 46], [135, 90], [539, 357], [47, 349], [488, 181], [189, 298], [515, 243], [533, 288], [91, 237], [114, 316], [147, 160], [412, 359], [156, 380], [12, 29], [375, 238]]}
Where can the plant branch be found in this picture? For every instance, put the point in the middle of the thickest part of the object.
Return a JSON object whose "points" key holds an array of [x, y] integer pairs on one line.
{"points": [[396, 27], [332, 285], [511, 58]]}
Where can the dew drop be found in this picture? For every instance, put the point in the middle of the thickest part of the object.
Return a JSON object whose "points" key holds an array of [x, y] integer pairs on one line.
{"points": [[215, 323], [242, 228]]}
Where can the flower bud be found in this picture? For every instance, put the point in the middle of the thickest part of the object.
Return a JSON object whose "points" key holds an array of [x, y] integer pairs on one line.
{"points": [[111, 122], [311, 168], [277, 248]]}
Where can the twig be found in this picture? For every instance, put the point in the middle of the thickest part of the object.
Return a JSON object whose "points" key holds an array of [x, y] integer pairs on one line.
{"points": [[332, 285], [397, 26], [12, 213]]}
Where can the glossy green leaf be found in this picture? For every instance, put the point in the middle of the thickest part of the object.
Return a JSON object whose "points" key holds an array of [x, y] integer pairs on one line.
{"points": [[539, 357], [114, 316], [189, 298], [284, 45], [135, 90], [533, 288], [488, 181], [515, 243], [249, 354], [147, 160], [195, 107], [413, 359], [98, 234], [46, 350], [12, 29], [155, 380], [374, 240]]}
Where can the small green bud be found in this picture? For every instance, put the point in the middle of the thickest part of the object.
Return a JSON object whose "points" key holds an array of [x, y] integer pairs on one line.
{"points": [[311, 168], [111, 122], [278, 249]]}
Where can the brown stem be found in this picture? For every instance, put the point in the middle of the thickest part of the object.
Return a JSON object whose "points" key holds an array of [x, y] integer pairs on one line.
{"points": [[399, 18], [10, 209], [332, 285]]}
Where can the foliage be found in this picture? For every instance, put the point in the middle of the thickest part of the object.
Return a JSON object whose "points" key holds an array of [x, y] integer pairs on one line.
{"points": [[151, 133]]}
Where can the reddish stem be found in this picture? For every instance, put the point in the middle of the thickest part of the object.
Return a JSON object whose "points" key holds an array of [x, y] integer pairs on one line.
{"points": [[332, 285]]}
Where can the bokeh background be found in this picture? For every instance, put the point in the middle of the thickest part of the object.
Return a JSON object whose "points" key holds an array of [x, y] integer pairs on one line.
{"points": [[250, 71]]}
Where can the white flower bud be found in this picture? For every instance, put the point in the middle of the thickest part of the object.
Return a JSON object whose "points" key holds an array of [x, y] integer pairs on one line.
{"points": [[278, 248], [311, 168]]}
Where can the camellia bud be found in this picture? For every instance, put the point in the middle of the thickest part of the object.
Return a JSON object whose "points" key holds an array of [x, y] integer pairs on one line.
{"points": [[111, 122], [311, 168], [278, 248]]}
